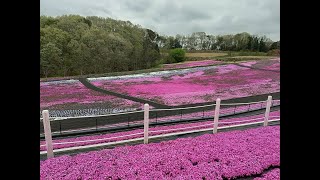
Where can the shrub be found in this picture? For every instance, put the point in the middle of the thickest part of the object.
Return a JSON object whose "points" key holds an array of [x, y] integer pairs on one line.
{"points": [[248, 53], [177, 54], [168, 60], [274, 52]]}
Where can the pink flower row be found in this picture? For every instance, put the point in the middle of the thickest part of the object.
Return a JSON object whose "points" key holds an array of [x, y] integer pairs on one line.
{"points": [[219, 156], [162, 130]]}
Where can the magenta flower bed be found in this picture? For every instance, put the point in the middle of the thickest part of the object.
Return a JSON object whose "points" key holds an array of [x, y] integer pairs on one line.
{"points": [[222, 155], [275, 66], [63, 95], [200, 85], [167, 129], [189, 64], [274, 174]]}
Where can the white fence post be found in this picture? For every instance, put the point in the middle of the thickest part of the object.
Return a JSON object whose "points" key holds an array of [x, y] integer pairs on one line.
{"points": [[47, 133], [266, 116], [146, 123], [216, 116]]}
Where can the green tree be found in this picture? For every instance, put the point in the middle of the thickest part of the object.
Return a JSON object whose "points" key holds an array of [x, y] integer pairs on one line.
{"points": [[170, 42], [250, 43], [47, 21], [255, 43], [177, 54], [54, 35], [275, 45], [262, 45], [74, 25], [50, 58]]}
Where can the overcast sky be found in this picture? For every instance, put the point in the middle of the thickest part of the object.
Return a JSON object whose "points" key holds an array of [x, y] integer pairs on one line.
{"points": [[171, 17]]}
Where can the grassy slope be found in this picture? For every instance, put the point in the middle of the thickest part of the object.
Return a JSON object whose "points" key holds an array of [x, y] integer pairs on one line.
{"points": [[205, 54]]}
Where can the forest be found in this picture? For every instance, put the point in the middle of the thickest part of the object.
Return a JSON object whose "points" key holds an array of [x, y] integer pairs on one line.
{"points": [[75, 45]]}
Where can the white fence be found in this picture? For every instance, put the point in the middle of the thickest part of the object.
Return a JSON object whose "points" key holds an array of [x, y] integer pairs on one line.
{"points": [[146, 133], [86, 112]]}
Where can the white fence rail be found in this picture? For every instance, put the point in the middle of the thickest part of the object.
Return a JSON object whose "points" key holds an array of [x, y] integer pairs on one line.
{"points": [[146, 132], [154, 110]]}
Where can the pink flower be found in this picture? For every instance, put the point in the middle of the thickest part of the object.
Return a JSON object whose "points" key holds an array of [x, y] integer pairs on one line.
{"points": [[210, 156]]}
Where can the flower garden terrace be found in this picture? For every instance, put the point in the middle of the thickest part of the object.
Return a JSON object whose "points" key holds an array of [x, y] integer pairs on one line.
{"points": [[101, 123], [198, 85], [263, 168], [251, 153], [172, 88], [262, 164]]}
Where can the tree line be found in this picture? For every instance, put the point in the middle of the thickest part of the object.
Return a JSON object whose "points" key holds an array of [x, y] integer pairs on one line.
{"points": [[202, 41], [75, 45]]}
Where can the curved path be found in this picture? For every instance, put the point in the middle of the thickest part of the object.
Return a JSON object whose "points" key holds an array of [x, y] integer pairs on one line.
{"points": [[89, 85], [261, 97]]}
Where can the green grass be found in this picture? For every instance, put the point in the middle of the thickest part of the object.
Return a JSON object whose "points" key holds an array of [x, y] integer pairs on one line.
{"points": [[204, 56], [213, 54], [246, 53], [243, 58]]}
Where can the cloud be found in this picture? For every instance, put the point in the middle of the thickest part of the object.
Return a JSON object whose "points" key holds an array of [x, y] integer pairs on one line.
{"points": [[172, 17]]}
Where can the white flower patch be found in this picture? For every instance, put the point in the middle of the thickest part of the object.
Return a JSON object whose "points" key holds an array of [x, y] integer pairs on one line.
{"points": [[69, 81], [154, 74]]}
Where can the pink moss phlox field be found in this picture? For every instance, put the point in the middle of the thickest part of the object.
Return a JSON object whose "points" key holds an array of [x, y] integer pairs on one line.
{"points": [[52, 94], [189, 64], [201, 85], [274, 174], [211, 156], [169, 127], [275, 66]]}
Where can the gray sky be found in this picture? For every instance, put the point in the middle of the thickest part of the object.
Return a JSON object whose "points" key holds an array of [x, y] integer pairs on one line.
{"points": [[171, 17]]}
